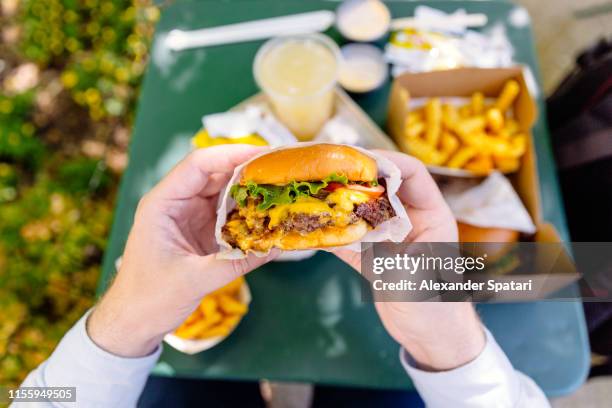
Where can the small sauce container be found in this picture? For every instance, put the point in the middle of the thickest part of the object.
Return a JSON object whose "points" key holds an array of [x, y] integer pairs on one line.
{"points": [[363, 68], [363, 20]]}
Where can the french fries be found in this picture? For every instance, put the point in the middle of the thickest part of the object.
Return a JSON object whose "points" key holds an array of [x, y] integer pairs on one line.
{"points": [[203, 139], [217, 314], [477, 136], [507, 96]]}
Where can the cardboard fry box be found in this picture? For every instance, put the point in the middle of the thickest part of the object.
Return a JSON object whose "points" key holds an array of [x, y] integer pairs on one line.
{"points": [[464, 82]]}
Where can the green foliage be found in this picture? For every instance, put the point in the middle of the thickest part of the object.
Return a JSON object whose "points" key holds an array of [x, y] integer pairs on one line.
{"points": [[82, 175], [17, 141], [56, 207], [101, 45], [50, 248], [8, 183]]}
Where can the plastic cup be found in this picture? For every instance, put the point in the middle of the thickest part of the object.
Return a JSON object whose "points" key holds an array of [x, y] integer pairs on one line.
{"points": [[298, 74]]}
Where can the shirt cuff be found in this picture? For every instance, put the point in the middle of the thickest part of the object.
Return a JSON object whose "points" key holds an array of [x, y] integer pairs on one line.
{"points": [[101, 378], [488, 380]]}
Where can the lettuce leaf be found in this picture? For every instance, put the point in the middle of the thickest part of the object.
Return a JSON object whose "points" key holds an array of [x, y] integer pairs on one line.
{"points": [[335, 178], [275, 195]]}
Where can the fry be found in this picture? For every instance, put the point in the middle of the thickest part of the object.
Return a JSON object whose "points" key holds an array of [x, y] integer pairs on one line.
{"points": [[480, 164], [425, 152], [433, 118], [495, 120], [448, 143], [193, 317], [414, 130], [512, 126], [415, 116], [231, 321], [212, 319], [229, 305], [189, 332], [450, 116], [467, 127], [459, 159], [217, 331], [508, 95], [477, 102], [506, 165], [518, 145], [208, 306], [477, 140], [465, 111]]}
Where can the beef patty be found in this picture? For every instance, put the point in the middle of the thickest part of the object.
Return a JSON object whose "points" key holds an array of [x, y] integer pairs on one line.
{"points": [[305, 223], [374, 212]]}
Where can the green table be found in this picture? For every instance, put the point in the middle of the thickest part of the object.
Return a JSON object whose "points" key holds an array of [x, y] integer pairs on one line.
{"points": [[307, 322]]}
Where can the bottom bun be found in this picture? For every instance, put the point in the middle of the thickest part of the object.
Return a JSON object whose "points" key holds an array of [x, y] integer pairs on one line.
{"points": [[324, 237]]}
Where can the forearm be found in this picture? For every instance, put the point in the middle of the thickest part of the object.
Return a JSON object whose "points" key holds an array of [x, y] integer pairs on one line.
{"points": [[101, 379]]}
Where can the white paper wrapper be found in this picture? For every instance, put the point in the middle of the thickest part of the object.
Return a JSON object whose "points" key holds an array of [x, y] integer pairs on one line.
{"points": [[196, 346], [394, 230], [491, 204], [453, 45]]}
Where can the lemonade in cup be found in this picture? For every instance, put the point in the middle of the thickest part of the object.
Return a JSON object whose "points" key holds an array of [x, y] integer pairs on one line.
{"points": [[298, 74]]}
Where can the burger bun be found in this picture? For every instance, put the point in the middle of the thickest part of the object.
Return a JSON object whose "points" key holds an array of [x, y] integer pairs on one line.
{"points": [[310, 163]]}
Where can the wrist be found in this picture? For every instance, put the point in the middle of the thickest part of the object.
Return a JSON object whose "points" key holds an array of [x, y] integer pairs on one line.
{"points": [[453, 346], [111, 329]]}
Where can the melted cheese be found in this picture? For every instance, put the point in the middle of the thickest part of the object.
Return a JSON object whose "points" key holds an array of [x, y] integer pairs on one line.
{"points": [[303, 205], [343, 201]]}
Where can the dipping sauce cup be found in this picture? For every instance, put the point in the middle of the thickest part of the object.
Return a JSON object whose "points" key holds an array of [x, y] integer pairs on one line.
{"points": [[298, 74]]}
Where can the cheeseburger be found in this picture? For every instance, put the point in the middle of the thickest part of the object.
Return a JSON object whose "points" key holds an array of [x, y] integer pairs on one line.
{"points": [[306, 197]]}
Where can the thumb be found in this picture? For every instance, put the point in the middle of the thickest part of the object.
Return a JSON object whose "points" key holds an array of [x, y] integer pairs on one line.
{"points": [[213, 273]]}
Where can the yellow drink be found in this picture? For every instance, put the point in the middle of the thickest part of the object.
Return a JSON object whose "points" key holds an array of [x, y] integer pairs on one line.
{"points": [[298, 74]]}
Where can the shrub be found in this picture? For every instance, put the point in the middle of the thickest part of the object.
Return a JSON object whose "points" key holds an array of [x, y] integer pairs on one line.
{"points": [[56, 205]]}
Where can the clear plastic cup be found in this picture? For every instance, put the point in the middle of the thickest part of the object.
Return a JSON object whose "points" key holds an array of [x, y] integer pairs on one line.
{"points": [[298, 74]]}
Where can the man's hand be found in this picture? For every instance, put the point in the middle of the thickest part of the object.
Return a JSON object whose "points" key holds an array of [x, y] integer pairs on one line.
{"points": [[169, 262], [439, 336]]}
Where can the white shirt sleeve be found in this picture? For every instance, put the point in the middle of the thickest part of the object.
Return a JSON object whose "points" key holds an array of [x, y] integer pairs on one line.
{"points": [[101, 379], [487, 381]]}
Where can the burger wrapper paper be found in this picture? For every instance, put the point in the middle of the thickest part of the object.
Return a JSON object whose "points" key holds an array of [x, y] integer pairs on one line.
{"points": [[491, 204], [394, 230]]}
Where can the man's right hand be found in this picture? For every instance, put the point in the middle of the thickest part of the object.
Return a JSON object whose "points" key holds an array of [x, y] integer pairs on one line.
{"points": [[439, 336]]}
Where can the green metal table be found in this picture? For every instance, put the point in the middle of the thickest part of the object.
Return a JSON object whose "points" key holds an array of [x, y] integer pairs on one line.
{"points": [[307, 321]]}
